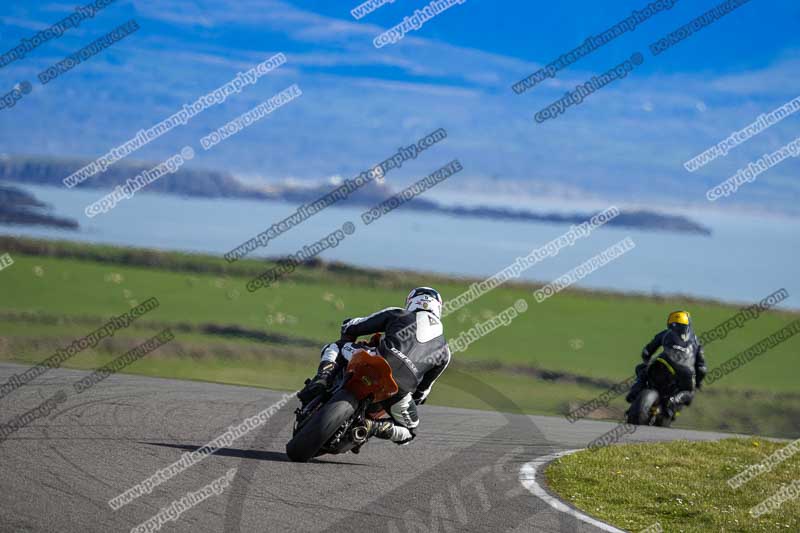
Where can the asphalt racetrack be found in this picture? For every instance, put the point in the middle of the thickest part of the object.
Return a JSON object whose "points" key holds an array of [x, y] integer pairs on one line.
{"points": [[462, 473]]}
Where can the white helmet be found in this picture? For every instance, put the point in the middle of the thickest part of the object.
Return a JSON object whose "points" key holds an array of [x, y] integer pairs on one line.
{"points": [[425, 299]]}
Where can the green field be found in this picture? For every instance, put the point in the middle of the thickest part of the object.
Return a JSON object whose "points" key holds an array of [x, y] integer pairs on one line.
{"points": [[558, 354], [680, 485]]}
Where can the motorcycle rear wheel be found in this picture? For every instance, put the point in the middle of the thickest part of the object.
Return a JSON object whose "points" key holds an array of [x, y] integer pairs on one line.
{"points": [[323, 424]]}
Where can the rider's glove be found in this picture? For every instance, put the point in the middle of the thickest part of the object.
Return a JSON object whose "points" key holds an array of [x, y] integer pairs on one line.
{"points": [[345, 339]]}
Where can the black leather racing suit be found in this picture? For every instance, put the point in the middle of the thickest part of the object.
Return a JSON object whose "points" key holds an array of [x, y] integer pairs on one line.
{"points": [[413, 344], [683, 355]]}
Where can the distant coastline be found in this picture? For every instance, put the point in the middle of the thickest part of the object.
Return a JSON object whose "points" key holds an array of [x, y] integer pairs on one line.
{"points": [[21, 208], [50, 171]]}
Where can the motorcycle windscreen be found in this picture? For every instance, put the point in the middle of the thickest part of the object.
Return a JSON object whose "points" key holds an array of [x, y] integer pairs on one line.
{"points": [[371, 375]]}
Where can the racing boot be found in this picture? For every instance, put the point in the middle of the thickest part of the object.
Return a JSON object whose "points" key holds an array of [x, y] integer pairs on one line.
{"points": [[684, 398], [318, 383], [383, 429], [678, 402]]}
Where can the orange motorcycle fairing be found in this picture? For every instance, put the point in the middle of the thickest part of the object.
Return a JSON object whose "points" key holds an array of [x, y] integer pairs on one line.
{"points": [[371, 376]]}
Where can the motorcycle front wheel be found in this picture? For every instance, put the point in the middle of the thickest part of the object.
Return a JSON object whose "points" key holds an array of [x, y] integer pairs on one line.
{"points": [[640, 412]]}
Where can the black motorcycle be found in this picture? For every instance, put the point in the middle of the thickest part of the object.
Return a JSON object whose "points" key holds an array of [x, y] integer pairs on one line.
{"points": [[660, 400]]}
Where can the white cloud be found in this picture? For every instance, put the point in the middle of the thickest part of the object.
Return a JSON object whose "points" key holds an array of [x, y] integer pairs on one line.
{"points": [[360, 103]]}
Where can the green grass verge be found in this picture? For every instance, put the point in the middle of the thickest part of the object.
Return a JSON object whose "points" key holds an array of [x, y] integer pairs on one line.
{"points": [[280, 367], [597, 335], [681, 485]]}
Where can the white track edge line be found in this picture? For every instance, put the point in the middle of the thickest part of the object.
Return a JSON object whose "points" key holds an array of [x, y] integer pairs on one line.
{"points": [[527, 476]]}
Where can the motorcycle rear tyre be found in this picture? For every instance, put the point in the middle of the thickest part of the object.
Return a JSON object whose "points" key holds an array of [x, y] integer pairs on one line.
{"points": [[323, 424]]}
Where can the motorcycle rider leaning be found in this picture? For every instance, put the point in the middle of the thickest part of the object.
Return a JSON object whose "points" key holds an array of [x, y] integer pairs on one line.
{"points": [[682, 356], [413, 344]]}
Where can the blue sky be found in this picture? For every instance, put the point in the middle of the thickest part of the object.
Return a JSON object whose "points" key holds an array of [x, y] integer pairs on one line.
{"points": [[626, 142]]}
